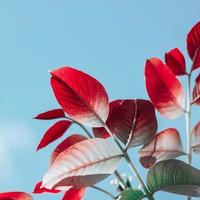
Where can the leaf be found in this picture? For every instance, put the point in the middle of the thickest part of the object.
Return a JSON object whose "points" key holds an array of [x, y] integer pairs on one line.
{"points": [[83, 164], [131, 194], [195, 137], [193, 45], [176, 61], [166, 145], [133, 121], [54, 132], [14, 196], [164, 89], [51, 114], [174, 176], [100, 133], [81, 96], [73, 194], [38, 189], [65, 144], [196, 91]]}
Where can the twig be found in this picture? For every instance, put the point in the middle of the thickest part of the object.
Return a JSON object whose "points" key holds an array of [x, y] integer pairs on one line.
{"points": [[120, 179], [83, 127], [187, 117], [104, 191]]}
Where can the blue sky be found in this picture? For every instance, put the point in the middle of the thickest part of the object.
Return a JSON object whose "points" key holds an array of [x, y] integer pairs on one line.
{"points": [[110, 39]]}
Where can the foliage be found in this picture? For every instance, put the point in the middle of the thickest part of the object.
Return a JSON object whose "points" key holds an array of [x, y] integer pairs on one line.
{"points": [[81, 161]]}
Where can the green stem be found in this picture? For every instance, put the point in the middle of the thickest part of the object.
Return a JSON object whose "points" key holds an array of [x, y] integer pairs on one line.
{"points": [[188, 123], [130, 164], [187, 118], [83, 127], [120, 179], [104, 191], [188, 113]]}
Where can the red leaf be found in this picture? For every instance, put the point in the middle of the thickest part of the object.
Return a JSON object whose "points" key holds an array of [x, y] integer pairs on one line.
{"points": [[196, 91], [196, 138], [101, 132], [65, 144], [38, 189], [83, 164], [73, 194], [14, 196], [51, 114], [164, 89], [166, 145], [193, 45], [81, 96], [133, 121], [176, 61], [54, 132]]}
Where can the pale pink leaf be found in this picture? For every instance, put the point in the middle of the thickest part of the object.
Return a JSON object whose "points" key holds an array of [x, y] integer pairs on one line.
{"points": [[83, 164], [166, 145], [65, 144], [196, 91], [196, 138]]}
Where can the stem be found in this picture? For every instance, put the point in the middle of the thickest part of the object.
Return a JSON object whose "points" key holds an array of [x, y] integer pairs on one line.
{"points": [[130, 164], [120, 179], [188, 112], [83, 127], [104, 191], [188, 124], [187, 117]]}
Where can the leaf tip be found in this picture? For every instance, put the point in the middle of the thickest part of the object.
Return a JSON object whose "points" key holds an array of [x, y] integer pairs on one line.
{"points": [[38, 147]]}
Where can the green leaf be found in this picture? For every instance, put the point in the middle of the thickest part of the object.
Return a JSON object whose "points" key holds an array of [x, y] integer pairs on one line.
{"points": [[131, 194], [174, 176]]}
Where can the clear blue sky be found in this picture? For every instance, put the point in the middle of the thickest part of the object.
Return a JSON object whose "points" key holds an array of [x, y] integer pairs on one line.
{"points": [[110, 39]]}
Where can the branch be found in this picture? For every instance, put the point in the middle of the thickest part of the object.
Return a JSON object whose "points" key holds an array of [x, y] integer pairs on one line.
{"points": [[104, 191]]}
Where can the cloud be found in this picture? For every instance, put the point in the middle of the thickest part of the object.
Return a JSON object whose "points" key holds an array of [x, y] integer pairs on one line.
{"points": [[14, 136]]}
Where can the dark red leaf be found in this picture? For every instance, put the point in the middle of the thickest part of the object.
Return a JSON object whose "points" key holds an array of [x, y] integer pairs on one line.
{"points": [[196, 138], [38, 189], [176, 61], [196, 91], [14, 196], [73, 194], [51, 114], [101, 132], [164, 89], [54, 132], [81, 96], [65, 144], [147, 161], [193, 45], [132, 121], [166, 145]]}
